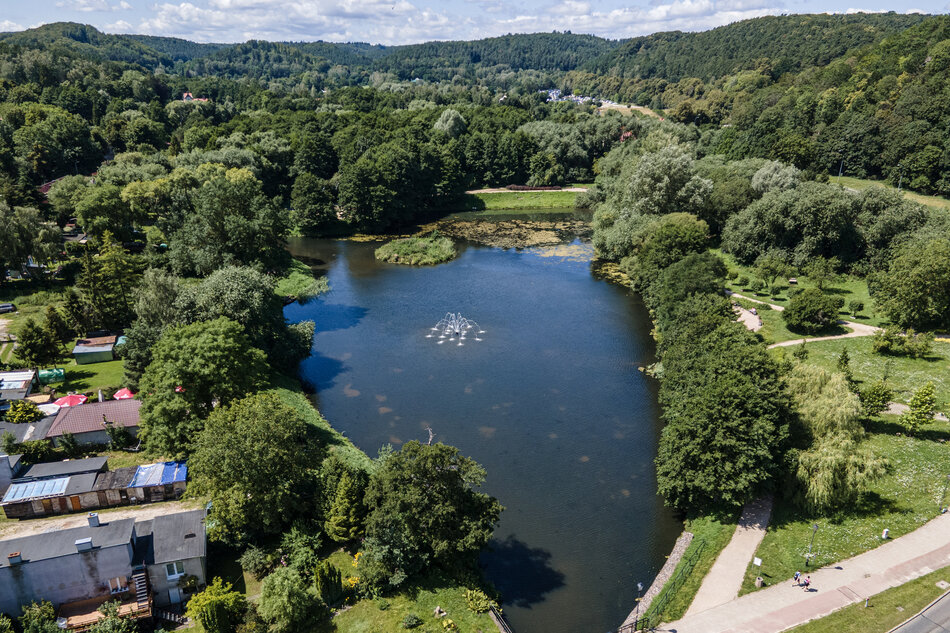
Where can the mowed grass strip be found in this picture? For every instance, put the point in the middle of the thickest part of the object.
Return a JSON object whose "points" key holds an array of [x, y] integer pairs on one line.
{"points": [[859, 184], [909, 495], [513, 200], [884, 611]]}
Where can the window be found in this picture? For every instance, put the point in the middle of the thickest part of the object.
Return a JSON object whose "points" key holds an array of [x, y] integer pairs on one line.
{"points": [[174, 570], [118, 584]]}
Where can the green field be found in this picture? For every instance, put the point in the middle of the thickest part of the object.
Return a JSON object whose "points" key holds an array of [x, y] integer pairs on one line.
{"points": [[904, 375], [859, 184], [908, 496], [514, 200], [884, 611], [88, 379]]}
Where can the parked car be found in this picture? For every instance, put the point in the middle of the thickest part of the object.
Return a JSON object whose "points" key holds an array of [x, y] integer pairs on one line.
{"points": [[7, 307]]}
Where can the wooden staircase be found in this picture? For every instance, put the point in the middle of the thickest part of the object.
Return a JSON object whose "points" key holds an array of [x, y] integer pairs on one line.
{"points": [[143, 597]]}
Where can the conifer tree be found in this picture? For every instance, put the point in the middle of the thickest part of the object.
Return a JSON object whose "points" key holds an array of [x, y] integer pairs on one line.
{"points": [[344, 521], [922, 406]]}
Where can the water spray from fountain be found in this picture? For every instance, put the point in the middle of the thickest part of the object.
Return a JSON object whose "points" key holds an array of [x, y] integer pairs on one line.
{"points": [[455, 327]]}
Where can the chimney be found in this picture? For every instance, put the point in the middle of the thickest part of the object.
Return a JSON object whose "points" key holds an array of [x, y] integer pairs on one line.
{"points": [[84, 544], [14, 558], [93, 519]]}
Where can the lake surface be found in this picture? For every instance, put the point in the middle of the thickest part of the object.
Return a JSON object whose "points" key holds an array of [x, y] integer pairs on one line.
{"points": [[550, 402]]}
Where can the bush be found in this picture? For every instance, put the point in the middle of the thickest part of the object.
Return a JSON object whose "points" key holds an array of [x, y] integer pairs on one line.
{"points": [[756, 285], [891, 342], [411, 621], [856, 307], [732, 274], [742, 281], [328, 582], [23, 412], [810, 311], [299, 547], [255, 562], [875, 398], [478, 601], [417, 251], [778, 288], [217, 608]]}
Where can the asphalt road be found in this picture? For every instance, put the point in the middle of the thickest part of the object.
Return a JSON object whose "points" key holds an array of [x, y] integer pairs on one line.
{"points": [[933, 619]]}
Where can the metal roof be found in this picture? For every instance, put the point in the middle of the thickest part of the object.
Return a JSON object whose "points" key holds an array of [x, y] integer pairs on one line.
{"points": [[34, 489], [63, 542], [15, 379], [159, 474], [64, 468]]}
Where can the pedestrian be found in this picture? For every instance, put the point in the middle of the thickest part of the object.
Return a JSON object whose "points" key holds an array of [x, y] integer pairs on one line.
{"points": [[798, 579], [807, 582]]}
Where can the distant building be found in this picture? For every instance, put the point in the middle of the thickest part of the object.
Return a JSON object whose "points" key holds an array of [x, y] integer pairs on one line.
{"points": [[143, 564], [187, 96], [87, 421], [96, 349]]}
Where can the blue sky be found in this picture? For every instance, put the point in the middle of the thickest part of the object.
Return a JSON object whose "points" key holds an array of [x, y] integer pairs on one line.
{"points": [[407, 21]]}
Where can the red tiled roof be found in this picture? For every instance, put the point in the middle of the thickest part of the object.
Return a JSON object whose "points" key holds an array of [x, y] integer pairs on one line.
{"points": [[85, 418]]}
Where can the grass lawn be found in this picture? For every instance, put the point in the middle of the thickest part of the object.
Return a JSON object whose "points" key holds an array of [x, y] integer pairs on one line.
{"points": [[859, 184], [300, 283], [847, 287], [904, 374], [31, 301], [904, 499], [510, 200], [885, 610], [6, 352], [715, 533], [421, 598], [88, 379]]}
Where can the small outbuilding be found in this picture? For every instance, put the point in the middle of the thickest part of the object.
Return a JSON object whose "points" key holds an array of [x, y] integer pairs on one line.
{"points": [[96, 349], [17, 385]]}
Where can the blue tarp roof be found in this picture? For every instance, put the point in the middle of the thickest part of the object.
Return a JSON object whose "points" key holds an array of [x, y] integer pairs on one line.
{"points": [[33, 489], [159, 474]]}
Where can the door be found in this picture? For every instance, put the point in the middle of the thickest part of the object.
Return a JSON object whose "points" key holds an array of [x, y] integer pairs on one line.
{"points": [[74, 502], [174, 595]]}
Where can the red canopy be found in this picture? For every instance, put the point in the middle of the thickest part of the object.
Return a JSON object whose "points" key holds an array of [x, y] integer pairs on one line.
{"points": [[69, 401], [123, 394]]}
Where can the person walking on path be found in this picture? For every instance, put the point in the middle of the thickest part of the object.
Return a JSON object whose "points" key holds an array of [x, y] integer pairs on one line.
{"points": [[807, 582], [798, 579]]}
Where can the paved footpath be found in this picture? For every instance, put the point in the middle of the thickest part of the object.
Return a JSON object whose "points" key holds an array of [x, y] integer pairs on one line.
{"points": [[784, 606], [724, 579]]}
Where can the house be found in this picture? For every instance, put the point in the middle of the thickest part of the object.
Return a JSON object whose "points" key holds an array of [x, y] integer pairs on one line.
{"points": [[17, 385], [95, 349], [10, 466], [53, 488], [85, 484], [143, 564], [87, 421], [26, 432]]}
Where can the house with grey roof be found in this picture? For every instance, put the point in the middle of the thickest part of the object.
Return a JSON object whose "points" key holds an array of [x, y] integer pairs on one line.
{"points": [[142, 564], [17, 385]]}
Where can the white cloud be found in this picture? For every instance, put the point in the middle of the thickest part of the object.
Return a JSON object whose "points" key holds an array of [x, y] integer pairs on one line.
{"points": [[7, 25], [119, 27], [88, 6], [125, 6]]}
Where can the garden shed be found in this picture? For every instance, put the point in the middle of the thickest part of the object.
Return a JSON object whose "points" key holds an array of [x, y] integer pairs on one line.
{"points": [[97, 349]]}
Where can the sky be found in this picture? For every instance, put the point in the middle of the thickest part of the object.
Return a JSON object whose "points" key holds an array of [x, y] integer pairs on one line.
{"points": [[410, 21]]}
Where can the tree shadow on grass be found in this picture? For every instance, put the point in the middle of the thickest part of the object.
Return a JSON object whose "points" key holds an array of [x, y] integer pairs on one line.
{"points": [[76, 380], [522, 574], [837, 291], [891, 427]]}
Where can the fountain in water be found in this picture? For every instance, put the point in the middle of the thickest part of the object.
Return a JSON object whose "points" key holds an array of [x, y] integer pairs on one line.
{"points": [[455, 327]]}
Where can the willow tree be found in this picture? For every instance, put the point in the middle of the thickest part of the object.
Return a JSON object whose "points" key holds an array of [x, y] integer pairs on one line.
{"points": [[837, 468]]}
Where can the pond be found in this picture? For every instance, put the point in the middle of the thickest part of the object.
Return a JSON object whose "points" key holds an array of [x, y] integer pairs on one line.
{"points": [[550, 402]]}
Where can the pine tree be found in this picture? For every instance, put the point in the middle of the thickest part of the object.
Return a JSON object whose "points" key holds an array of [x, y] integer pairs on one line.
{"points": [[922, 407], [36, 345], [56, 324], [344, 522], [328, 582]]}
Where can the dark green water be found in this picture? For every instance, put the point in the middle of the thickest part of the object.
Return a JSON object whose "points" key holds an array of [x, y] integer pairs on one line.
{"points": [[550, 402]]}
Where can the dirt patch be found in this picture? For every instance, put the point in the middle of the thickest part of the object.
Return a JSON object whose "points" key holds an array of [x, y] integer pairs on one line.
{"points": [[514, 233]]}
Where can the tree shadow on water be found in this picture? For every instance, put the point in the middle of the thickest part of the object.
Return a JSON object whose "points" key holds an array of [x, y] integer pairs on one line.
{"points": [[320, 372], [522, 574], [329, 317]]}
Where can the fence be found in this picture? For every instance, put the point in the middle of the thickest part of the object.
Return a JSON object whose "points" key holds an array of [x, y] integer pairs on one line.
{"points": [[651, 618], [500, 621]]}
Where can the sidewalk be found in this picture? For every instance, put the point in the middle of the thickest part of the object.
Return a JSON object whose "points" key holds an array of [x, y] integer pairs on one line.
{"points": [[783, 606], [724, 579]]}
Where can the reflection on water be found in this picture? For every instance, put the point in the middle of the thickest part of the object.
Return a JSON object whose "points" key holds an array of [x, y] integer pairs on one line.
{"points": [[550, 403]]}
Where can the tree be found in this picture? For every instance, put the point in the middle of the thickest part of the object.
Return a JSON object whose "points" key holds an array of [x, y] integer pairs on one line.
{"points": [[345, 520], [194, 368], [155, 309], [915, 289], [37, 346], [769, 267], [821, 270], [328, 582], [23, 412], [667, 241], [218, 608], [56, 324], [25, 234], [6, 624], [875, 398], [287, 604], [101, 208], [255, 460], [810, 310], [726, 420], [451, 122], [834, 470], [313, 203], [39, 617], [112, 622], [300, 548], [922, 405], [424, 510]]}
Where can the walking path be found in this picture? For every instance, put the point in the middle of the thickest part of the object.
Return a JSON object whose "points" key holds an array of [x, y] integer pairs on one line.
{"points": [[724, 579], [784, 605], [857, 329], [934, 618]]}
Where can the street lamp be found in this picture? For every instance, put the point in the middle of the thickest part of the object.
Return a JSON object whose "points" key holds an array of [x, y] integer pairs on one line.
{"points": [[943, 497], [636, 609], [814, 531], [900, 181]]}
